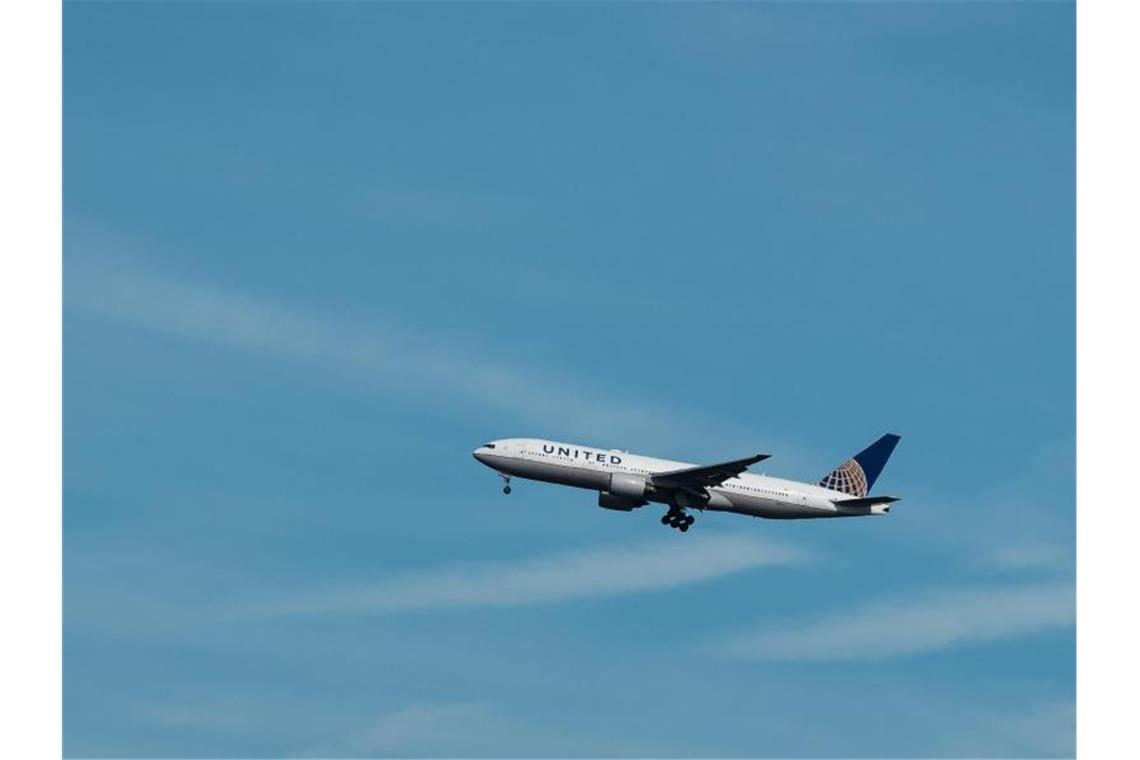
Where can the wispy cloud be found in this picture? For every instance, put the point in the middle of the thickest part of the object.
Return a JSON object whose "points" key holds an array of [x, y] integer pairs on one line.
{"points": [[570, 575], [474, 729], [436, 369], [451, 728], [1044, 729], [1028, 556], [927, 623]]}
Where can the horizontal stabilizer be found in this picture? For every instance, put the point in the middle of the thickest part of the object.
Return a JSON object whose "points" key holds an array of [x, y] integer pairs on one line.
{"points": [[869, 501]]}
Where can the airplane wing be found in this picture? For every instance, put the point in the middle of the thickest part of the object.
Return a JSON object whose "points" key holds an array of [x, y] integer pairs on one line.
{"points": [[704, 476], [870, 501]]}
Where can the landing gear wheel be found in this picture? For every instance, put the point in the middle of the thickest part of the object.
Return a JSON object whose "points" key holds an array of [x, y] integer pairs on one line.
{"points": [[683, 527], [689, 520], [507, 490], [665, 519]]}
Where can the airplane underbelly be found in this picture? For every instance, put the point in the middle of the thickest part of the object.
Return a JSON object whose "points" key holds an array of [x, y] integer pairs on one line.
{"points": [[770, 508]]}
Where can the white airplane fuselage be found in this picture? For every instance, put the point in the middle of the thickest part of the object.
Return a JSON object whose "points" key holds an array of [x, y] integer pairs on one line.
{"points": [[623, 481]]}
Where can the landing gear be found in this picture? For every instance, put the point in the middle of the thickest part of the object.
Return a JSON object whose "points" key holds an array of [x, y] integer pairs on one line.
{"points": [[676, 518], [506, 483]]}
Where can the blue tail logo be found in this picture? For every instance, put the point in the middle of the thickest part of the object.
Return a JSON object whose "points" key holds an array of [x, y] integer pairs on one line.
{"points": [[859, 473]]}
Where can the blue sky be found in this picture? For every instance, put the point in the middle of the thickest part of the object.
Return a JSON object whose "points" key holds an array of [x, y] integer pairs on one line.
{"points": [[315, 254]]}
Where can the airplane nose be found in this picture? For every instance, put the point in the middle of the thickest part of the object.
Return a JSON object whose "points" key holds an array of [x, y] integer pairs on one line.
{"points": [[482, 458]]}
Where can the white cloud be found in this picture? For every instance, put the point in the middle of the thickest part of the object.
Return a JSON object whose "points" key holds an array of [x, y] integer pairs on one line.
{"points": [[475, 729], [437, 369], [1044, 729], [931, 622], [448, 728], [577, 574], [1029, 556]]}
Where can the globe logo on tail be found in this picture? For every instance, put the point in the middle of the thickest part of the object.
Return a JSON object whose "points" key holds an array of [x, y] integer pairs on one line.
{"points": [[848, 478]]}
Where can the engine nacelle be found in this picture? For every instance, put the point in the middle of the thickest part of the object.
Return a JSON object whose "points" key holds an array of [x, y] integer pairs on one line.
{"points": [[620, 503], [627, 485]]}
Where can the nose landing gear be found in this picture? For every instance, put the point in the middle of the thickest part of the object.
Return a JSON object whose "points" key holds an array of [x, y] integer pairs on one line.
{"points": [[677, 518], [506, 483]]}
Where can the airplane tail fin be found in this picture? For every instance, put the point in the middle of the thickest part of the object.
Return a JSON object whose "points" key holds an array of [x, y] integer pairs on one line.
{"points": [[859, 473]]}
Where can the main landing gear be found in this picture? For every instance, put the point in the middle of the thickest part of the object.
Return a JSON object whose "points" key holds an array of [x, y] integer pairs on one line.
{"points": [[676, 518], [506, 483]]}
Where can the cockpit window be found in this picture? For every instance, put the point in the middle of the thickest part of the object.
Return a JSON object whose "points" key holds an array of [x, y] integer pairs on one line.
{"points": [[488, 445]]}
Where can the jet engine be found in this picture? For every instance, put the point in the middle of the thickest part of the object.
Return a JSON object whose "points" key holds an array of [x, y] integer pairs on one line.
{"points": [[630, 486], [620, 503]]}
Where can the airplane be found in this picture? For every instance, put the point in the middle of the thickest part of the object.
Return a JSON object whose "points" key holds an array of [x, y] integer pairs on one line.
{"points": [[625, 481]]}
